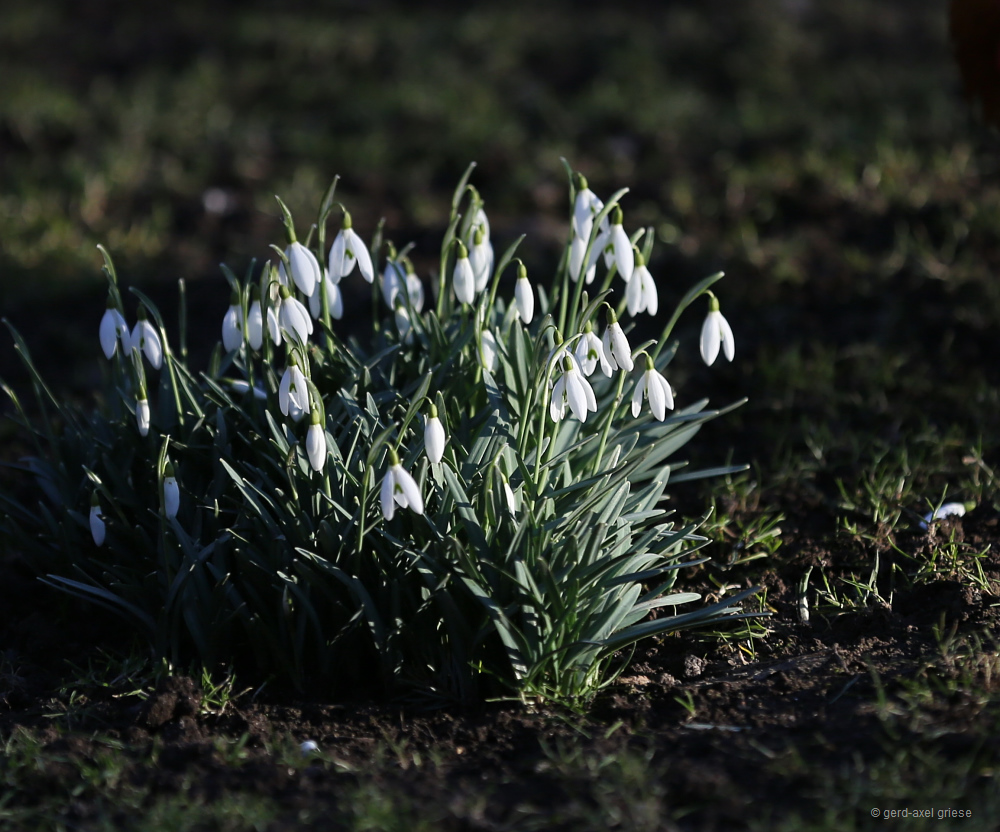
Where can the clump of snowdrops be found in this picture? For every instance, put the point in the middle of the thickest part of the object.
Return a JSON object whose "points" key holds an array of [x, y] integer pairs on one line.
{"points": [[468, 504]]}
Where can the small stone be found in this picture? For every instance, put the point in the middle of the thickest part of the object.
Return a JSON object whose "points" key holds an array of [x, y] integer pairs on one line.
{"points": [[693, 666]]}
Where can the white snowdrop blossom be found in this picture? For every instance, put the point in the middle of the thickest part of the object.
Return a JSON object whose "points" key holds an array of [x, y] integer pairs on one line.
{"points": [[171, 493], [232, 325], [716, 333], [403, 324], [656, 388], [293, 318], [481, 258], [463, 278], [590, 352], [113, 329], [96, 520], [572, 388], [585, 208], [621, 246], [616, 346], [577, 250], [334, 300], [488, 351], [308, 747], [946, 510], [304, 266], [399, 488], [255, 325], [316, 442], [523, 296], [398, 279], [348, 250], [434, 438], [142, 415], [641, 291], [146, 339], [293, 393]]}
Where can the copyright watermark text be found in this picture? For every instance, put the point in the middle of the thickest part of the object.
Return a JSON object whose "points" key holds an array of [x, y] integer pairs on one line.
{"points": [[940, 814]]}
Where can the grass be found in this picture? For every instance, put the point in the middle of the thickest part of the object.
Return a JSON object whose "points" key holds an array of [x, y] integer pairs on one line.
{"points": [[819, 153]]}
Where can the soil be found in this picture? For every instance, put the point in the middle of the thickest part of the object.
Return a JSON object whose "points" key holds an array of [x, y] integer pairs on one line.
{"points": [[717, 723]]}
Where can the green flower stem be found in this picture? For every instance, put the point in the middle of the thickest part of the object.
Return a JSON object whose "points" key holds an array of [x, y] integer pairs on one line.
{"points": [[608, 420]]}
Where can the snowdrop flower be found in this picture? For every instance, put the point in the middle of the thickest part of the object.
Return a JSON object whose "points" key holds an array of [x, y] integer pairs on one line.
{"points": [[577, 249], [308, 747], [590, 351], [96, 520], [523, 297], [142, 413], [293, 392], [113, 329], [398, 487], [716, 332], [585, 208], [334, 300], [398, 278], [641, 291], [488, 351], [573, 389], [509, 497], [621, 246], [434, 437], [293, 318], [255, 322], [304, 266], [171, 493], [348, 249], [616, 346], [481, 257], [946, 510], [403, 324], [316, 442], [463, 279], [656, 388], [479, 219], [145, 338], [232, 324]]}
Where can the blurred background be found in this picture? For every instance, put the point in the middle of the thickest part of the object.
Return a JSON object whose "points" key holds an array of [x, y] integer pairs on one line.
{"points": [[818, 151]]}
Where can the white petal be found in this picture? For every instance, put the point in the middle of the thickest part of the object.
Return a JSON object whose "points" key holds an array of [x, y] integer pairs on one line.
{"points": [[608, 351], [142, 416], [283, 391], [298, 393], [411, 491], [337, 265], [295, 320], [109, 335], [728, 342], [316, 446], [386, 494], [637, 394], [624, 258], [232, 337], [652, 299], [583, 219], [508, 493], [97, 525], [415, 290], [434, 438], [620, 347], [489, 351], [360, 252], [392, 283], [711, 339], [589, 391], [272, 326], [255, 326], [668, 395], [525, 299], [171, 497], [576, 394], [305, 268], [657, 401], [585, 353], [151, 345], [464, 281], [557, 406], [633, 296]]}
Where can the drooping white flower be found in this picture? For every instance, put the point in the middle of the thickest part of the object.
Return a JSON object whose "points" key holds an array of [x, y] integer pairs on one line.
{"points": [[273, 328], [113, 329], [488, 351], [434, 438], [146, 339], [463, 279], [509, 497], [232, 325], [655, 387], [641, 291], [398, 487], [480, 221], [293, 393], [255, 325], [316, 442], [590, 352], [577, 250], [292, 317], [572, 389], [334, 300], [523, 296], [399, 279], [142, 415], [716, 332], [96, 520], [171, 493], [305, 268], [616, 346], [403, 324], [946, 510], [585, 208], [348, 250], [481, 258], [621, 246]]}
